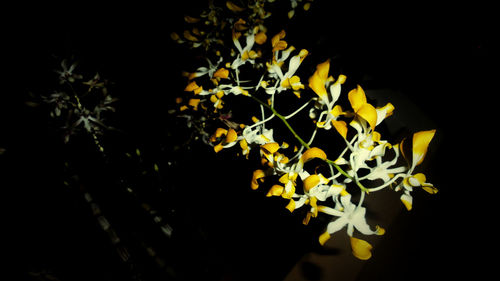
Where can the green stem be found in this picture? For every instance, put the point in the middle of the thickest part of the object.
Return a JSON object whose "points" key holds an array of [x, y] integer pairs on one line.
{"points": [[330, 162], [282, 118]]}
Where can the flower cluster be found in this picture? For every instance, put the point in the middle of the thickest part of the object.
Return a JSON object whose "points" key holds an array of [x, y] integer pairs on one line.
{"points": [[208, 29], [265, 72], [80, 104]]}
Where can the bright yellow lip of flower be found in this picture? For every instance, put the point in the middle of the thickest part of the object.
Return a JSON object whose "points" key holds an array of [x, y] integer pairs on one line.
{"points": [[361, 249]]}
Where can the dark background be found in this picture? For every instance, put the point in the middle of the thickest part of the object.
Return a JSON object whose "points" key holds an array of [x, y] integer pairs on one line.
{"points": [[439, 58]]}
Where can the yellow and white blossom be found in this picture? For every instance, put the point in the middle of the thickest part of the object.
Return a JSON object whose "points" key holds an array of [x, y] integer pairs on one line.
{"points": [[353, 217], [420, 144], [245, 54]]}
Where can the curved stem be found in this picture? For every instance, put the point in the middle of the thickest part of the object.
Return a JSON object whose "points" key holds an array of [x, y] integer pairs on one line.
{"points": [[282, 118]]}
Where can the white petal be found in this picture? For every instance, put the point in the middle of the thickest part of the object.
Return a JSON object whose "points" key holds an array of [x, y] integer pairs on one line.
{"points": [[335, 89], [336, 225], [331, 211], [293, 66], [359, 221]]}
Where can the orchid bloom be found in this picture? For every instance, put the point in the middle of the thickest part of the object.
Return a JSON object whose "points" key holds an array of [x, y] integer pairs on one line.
{"points": [[245, 54], [319, 82], [353, 217], [366, 144], [229, 140], [210, 70], [288, 80], [288, 178], [420, 144]]}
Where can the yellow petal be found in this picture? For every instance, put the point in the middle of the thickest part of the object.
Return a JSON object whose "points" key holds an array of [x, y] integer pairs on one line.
{"points": [[189, 36], [318, 79], [189, 19], [191, 87], [369, 113], [430, 188], [260, 38], [291, 205], [401, 149], [218, 147], [407, 201], [219, 132], [384, 112], [233, 7], [284, 178], [313, 152], [376, 136], [231, 136], [306, 220], [337, 111], [198, 90], [420, 177], [240, 25], [194, 103], [357, 98], [276, 190], [361, 249], [341, 127], [310, 182], [280, 45], [379, 230], [313, 202], [257, 175], [243, 144], [276, 38], [324, 237], [221, 73], [421, 142], [271, 147], [174, 36], [213, 98]]}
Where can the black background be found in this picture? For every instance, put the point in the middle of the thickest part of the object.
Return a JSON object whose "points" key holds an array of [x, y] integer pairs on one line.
{"points": [[440, 58]]}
